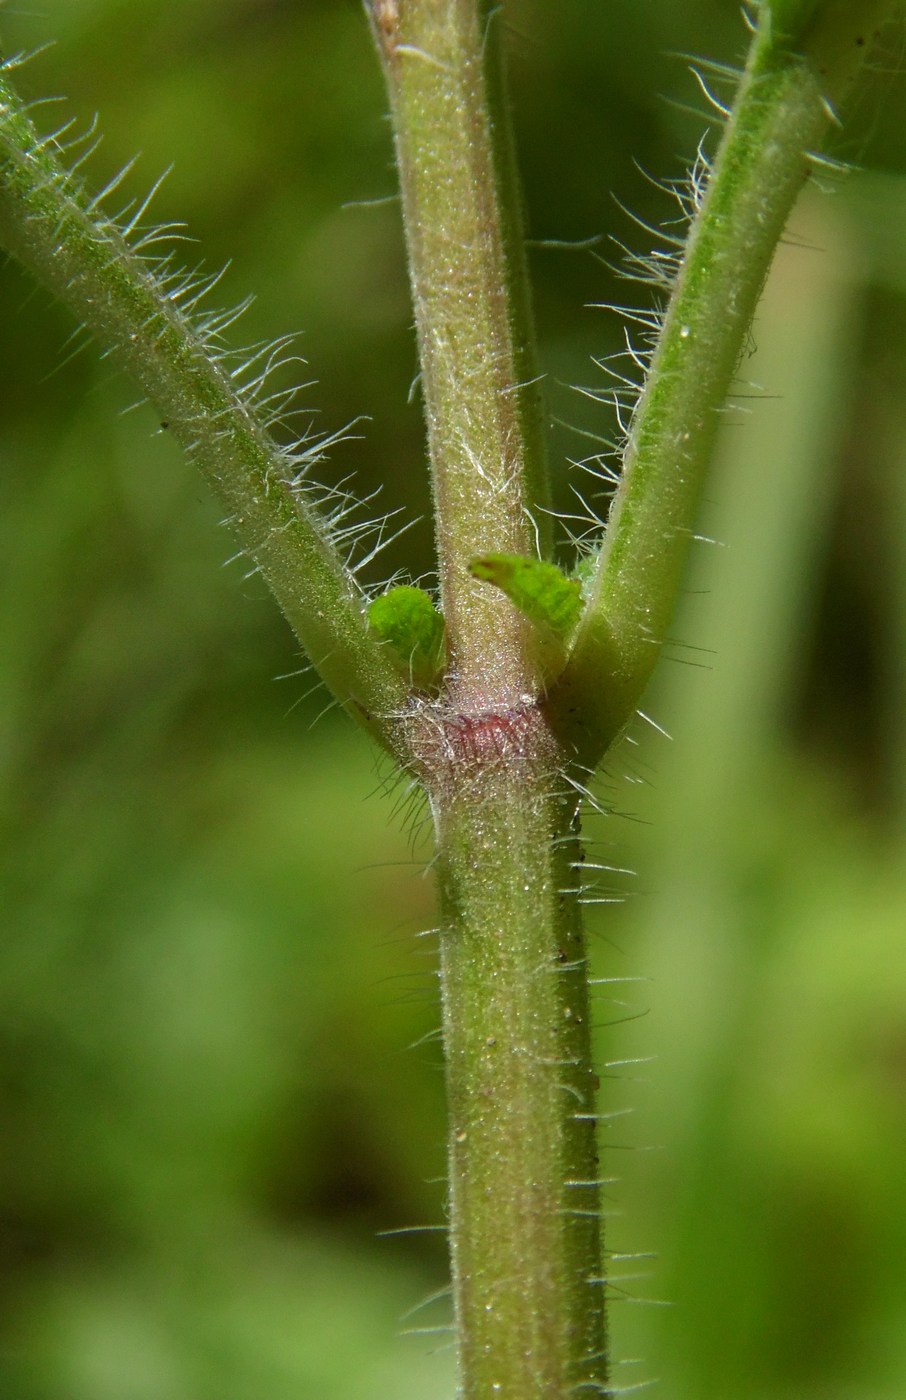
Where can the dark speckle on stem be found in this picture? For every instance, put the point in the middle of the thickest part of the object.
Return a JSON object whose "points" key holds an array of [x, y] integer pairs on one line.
{"points": [[386, 22]]}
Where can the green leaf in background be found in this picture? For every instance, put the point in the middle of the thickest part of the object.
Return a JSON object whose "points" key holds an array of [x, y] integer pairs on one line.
{"points": [[406, 618]]}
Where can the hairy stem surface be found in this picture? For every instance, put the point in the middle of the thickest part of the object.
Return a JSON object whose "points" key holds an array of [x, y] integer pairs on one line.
{"points": [[462, 220], [796, 71], [53, 228], [523, 1168], [524, 1217]]}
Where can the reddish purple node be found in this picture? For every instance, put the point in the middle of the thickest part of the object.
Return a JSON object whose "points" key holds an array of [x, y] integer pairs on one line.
{"points": [[491, 734]]}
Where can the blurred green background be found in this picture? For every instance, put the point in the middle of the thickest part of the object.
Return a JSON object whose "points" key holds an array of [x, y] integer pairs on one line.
{"points": [[209, 969]]}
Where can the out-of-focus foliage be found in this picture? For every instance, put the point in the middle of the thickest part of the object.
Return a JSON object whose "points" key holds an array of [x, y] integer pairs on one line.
{"points": [[209, 969]]}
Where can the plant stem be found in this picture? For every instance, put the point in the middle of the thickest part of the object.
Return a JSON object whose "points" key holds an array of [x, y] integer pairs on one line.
{"points": [[51, 226], [524, 1191], [463, 231], [523, 1176], [781, 115]]}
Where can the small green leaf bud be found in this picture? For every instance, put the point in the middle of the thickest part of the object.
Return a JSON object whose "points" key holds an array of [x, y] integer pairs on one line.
{"points": [[540, 590], [407, 620]]}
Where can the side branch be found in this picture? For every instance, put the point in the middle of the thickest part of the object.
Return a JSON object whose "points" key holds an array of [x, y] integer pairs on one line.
{"points": [[780, 118], [139, 310]]}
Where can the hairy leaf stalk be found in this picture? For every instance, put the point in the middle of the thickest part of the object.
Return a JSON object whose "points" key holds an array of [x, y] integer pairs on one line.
{"points": [[777, 125], [132, 305]]}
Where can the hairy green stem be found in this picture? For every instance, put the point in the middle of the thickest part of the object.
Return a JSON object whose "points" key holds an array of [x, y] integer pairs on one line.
{"points": [[50, 225], [523, 1179], [462, 219], [523, 1169], [797, 68]]}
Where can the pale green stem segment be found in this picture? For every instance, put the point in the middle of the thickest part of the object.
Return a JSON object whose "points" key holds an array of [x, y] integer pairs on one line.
{"points": [[524, 1188], [799, 65], [463, 231], [524, 1200], [48, 223]]}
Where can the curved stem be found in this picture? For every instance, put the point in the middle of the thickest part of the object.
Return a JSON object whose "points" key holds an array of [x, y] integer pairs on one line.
{"points": [[779, 119], [51, 226]]}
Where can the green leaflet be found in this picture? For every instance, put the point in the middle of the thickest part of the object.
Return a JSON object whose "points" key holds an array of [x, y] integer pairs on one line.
{"points": [[540, 590], [408, 621]]}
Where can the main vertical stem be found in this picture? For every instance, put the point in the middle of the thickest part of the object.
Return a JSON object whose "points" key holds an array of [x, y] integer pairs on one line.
{"points": [[523, 1171], [524, 1195], [462, 219]]}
